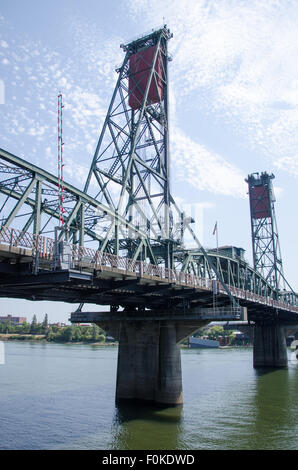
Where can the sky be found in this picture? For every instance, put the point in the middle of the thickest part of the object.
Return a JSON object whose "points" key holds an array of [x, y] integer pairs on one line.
{"points": [[233, 103]]}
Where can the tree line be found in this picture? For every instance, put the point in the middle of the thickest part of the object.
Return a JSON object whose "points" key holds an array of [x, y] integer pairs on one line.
{"points": [[55, 333]]}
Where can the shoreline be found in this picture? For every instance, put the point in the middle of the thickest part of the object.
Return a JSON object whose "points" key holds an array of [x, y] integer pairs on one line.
{"points": [[13, 337]]}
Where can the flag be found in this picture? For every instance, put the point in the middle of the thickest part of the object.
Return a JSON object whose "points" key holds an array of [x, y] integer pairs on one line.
{"points": [[215, 228]]}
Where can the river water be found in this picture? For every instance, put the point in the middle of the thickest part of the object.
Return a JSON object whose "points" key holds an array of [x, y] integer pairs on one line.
{"points": [[58, 396]]}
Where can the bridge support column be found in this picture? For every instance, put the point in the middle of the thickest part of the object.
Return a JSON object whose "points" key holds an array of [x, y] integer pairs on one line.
{"points": [[149, 363], [269, 346]]}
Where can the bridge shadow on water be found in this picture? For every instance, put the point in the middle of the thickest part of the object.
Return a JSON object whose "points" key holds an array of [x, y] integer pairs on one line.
{"points": [[139, 426]]}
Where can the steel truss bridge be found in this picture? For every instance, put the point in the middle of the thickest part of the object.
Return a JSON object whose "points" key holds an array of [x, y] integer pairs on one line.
{"points": [[122, 242], [103, 278], [199, 277]]}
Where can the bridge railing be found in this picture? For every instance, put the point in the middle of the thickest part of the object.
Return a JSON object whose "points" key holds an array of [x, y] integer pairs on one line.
{"points": [[88, 257], [20, 239]]}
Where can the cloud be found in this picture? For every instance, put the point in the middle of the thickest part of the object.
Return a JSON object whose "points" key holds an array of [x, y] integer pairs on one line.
{"points": [[34, 75], [235, 60], [239, 62], [203, 169]]}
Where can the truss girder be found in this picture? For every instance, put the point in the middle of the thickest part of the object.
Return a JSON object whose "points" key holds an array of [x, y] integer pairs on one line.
{"points": [[126, 207], [34, 205], [234, 271]]}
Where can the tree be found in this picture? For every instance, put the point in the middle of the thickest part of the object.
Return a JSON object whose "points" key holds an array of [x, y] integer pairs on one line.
{"points": [[76, 333], [214, 332], [101, 338], [6, 327], [45, 324], [67, 333], [25, 327], [33, 327], [54, 328], [95, 332]]}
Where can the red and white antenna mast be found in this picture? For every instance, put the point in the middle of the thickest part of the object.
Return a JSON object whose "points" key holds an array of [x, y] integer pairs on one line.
{"points": [[60, 160]]}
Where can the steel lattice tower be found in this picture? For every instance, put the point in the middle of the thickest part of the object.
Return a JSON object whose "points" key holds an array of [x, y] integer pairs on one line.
{"points": [[265, 242], [130, 167]]}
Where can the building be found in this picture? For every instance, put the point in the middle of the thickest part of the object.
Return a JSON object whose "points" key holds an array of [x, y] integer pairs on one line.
{"points": [[231, 251], [13, 320]]}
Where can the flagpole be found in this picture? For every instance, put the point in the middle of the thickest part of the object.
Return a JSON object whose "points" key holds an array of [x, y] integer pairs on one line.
{"points": [[215, 230]]}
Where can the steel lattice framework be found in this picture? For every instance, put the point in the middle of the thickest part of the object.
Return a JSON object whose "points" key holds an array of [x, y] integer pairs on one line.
{"points": [[126, 209], [265, 241], [30, 203], [131, 161]]}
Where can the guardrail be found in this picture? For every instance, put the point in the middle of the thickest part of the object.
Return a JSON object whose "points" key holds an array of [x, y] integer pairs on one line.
{"points": [[88, 257]]}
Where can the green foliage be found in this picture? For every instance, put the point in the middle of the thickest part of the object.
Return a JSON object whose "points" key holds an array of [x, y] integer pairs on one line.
{"points": [[45, 323], [214, 332], [76, 334], [6, 327], [23, 337], [24, 328], [66, 334], [34, 325]]}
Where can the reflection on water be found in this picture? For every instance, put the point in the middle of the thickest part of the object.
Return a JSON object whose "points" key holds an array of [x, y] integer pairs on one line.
{"points": [[62, 397], [294, 357], [136, 425], [273, 414]]}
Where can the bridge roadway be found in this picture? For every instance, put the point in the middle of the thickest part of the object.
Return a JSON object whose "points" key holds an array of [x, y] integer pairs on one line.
{"points": [[160, 308], [106, 279]]}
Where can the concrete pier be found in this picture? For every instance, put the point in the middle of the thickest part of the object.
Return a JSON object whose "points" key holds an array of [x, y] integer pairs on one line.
{"points": [[269, 346], [149, 363], [149, 359]]}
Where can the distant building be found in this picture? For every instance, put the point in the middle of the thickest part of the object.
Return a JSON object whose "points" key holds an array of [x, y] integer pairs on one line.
{"points": [[58, 324], [13, 320], [231, 251]]}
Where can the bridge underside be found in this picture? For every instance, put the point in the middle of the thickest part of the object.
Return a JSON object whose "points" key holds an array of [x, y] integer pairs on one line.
{"points": [[129, 291]]}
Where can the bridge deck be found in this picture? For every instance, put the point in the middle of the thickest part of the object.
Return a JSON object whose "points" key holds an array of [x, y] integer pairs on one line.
{"points": [[105, 279]]}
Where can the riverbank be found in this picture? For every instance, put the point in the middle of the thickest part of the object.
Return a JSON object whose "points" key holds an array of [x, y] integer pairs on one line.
{"points": [[43, 338], [21, 337]]}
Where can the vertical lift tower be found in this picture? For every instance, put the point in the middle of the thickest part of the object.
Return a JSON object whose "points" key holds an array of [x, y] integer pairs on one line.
{"points": [[130, 167], [130, 173], [269, 339], [265, 242]]}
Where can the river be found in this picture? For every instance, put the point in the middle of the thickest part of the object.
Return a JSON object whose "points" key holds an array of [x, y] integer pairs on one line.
{"points": [[61, 396]]}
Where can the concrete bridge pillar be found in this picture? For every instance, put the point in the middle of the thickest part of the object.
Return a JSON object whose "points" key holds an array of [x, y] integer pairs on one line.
{"points": [[269, 346], [149, 363], [149, 360]]}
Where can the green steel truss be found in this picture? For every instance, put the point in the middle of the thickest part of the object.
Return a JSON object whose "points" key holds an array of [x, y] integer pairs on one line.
{"points": [[126, 208], [130, 168], [267, 258], [234, 271], [29, 203]]}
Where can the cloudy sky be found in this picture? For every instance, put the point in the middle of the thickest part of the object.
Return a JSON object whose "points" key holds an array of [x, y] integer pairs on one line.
{"points": [[233, 101]]}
